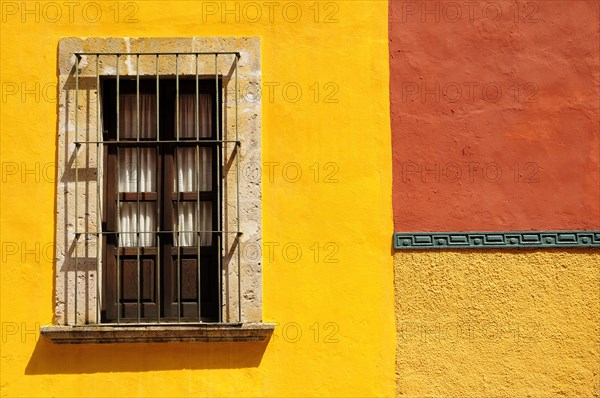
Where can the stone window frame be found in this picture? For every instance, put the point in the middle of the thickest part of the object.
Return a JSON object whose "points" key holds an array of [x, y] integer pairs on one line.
{"points": [[79, 323]]}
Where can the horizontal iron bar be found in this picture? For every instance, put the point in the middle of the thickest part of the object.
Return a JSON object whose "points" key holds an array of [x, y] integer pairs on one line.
{"points": [[125, 325], [156, 232], [134, 142], [237, 53]]}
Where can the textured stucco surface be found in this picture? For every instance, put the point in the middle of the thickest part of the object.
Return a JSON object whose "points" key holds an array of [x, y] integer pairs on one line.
{"points": [[498, 323], [494, 113]]}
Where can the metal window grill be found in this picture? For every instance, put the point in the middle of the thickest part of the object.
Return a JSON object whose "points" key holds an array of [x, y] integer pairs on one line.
{"points": [[100, 144]]}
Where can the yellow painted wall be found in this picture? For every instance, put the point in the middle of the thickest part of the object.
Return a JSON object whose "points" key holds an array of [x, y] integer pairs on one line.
{"points": [[498, 324], [343, 309]]}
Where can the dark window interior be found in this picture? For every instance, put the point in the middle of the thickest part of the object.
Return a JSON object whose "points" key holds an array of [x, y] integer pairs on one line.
{"points": [[155, 279]]}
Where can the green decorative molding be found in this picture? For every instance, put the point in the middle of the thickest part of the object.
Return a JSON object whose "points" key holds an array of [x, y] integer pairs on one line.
{"points": [[495, 240]]}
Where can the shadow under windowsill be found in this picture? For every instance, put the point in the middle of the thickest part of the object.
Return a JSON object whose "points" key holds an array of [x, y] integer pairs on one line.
{"points": [[51, 358]]}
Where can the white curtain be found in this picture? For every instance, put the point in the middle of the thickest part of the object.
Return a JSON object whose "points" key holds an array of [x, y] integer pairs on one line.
{"points": [[137, 169], [187, 115], [187, 177], [129, 224], [186, 219], [128, 114], [133, 169]]}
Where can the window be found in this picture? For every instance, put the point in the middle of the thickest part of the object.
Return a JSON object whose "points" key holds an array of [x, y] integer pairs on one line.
{"points": [[161, 199], [159, 191]]}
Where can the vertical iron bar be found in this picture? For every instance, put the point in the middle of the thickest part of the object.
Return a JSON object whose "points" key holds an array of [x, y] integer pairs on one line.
{"points": [[76, 175], [158, 221], [219, 149], [177, 187], [98, 218], [137, 153], [198, 224], [157, 102], [238, 151], [177, 95], [158, 262], [118, 245]]}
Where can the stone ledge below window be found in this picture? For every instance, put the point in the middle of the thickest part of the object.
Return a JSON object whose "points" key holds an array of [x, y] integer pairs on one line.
{"points": [[96, 334]]}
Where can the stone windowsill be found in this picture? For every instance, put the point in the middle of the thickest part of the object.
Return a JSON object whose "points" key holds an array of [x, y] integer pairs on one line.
{"points": [[96, 334]]}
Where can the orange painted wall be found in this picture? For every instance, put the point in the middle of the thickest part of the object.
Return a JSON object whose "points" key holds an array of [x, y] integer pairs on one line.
{"points": [[495, 111]]}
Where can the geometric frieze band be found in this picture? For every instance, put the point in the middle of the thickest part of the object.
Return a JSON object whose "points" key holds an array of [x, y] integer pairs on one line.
{"points": [[495, 240]]}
